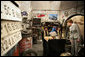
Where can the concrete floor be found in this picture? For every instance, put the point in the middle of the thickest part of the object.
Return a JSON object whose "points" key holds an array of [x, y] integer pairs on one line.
{"points": [[38, 48]]}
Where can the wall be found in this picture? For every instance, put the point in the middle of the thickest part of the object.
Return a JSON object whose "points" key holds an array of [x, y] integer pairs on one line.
{"points": [[46, 17], [45, 7], [61, 6], [25, 6], [71, 11], [64, 14]]}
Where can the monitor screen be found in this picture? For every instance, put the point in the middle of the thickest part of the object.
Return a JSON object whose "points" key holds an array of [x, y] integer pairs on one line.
{"points": [[36, 21]]}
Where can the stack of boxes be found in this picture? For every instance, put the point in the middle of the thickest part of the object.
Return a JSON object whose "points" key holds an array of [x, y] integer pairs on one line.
{"points": [[10, 26]]}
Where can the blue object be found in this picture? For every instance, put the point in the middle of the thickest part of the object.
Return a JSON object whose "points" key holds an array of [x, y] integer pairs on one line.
{"points": [[53, 16], [53, 29]]}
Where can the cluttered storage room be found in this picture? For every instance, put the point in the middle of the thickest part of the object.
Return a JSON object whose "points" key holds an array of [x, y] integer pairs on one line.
{"points": [[42, 28]]}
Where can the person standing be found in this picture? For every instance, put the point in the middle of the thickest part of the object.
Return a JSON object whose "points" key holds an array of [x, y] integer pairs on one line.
{"points": [[74, 36]]}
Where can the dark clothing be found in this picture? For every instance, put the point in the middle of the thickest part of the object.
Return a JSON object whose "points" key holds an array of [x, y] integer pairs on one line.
{"points": [[45, 47]]}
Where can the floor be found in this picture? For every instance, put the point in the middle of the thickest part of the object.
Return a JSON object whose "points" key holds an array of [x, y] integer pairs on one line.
{"points": [[38, 47]]}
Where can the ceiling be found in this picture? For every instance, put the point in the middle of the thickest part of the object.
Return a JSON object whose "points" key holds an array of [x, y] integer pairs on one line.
{"points": [[50, 5], [55, 5]]}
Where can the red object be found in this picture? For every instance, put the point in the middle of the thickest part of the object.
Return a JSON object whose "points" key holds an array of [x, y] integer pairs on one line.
{"points": [[41, 15], [16, 52], [25, 44]]}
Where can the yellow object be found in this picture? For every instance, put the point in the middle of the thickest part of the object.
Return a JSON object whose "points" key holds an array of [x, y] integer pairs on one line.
{"points": [[44, 33], [47, 38], [43, 28], [66, 54]]}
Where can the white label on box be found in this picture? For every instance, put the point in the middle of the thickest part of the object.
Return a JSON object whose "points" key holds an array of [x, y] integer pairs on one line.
{"points": [[9, 42], [10, 12], [9, 27]]}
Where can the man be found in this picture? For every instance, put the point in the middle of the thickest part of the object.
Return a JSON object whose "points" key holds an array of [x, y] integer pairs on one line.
{"points": [[74, 37]]}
